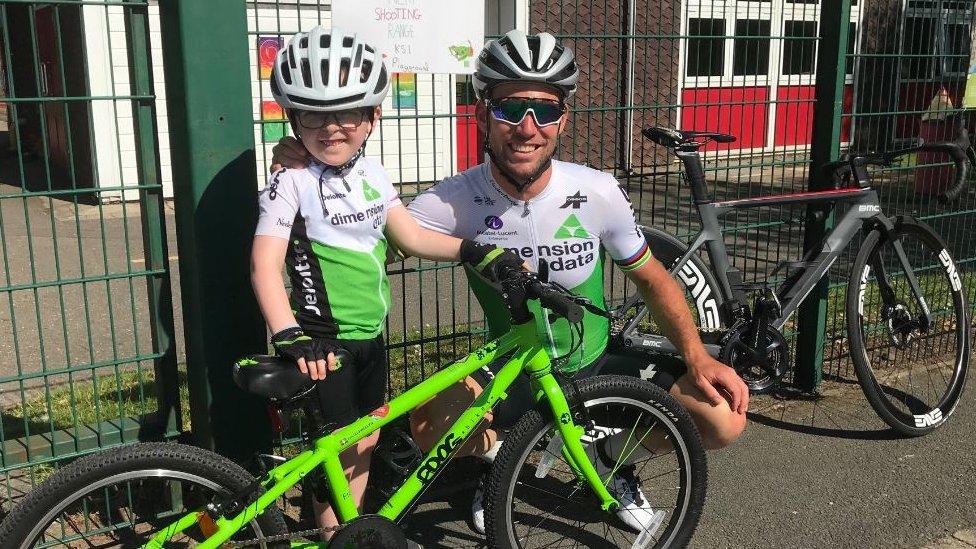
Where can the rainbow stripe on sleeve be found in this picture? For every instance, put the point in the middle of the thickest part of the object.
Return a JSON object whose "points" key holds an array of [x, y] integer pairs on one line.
{"points": [[635, 261]]}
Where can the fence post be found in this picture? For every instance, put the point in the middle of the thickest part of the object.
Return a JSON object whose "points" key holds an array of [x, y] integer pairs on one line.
{"points": [[825, 146], [159, 293], [208, 92]]}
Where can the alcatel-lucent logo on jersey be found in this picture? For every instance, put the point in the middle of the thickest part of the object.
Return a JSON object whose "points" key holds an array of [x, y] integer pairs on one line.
{"points": [[494, 222]]}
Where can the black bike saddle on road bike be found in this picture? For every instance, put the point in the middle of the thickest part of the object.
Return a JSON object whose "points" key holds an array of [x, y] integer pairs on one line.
{"points": [[671, 138]]}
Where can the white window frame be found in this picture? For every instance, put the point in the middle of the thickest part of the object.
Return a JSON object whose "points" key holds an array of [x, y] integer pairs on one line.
{"points": [[775, 11]]}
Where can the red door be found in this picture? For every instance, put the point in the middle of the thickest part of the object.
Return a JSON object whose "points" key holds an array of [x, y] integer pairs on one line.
{"points": [[51, 86]]}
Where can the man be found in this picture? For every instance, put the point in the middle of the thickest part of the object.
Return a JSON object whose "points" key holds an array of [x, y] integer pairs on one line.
{"points": [[568, 215]]}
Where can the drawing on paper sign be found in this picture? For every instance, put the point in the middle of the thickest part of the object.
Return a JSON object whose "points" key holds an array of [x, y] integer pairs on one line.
{"points": [[462, 52], [418, 36]]}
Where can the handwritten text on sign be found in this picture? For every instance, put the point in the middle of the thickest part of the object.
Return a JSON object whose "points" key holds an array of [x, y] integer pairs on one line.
{"points": [[425, 36]]}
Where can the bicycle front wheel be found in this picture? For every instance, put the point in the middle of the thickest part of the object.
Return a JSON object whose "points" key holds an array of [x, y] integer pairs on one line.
{"points": [[912, 369], [534, 498], [120, 498]]}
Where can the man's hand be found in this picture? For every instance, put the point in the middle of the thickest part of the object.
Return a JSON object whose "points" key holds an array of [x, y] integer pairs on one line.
{"points": [[711, 376], [289, 153], [314, 356]]}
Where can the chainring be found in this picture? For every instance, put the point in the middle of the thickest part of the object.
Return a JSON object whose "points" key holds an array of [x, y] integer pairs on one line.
{"points": [[738, 353], [369, 532]]}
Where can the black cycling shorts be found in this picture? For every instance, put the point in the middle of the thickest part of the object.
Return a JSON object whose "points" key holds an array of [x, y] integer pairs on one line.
{"points": [[359, 387], [520, 398]]}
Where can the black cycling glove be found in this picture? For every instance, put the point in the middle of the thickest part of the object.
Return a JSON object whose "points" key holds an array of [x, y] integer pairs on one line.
{"points": [[488, 260], [292, 343]]}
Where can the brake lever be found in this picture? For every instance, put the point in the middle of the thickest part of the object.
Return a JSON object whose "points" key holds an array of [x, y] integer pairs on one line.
{"points": [[589, 306]]}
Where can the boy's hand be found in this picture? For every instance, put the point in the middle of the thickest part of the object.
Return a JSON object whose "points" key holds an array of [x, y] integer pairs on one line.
{"points": [[314, 356], [488, 260], [289, 153]]}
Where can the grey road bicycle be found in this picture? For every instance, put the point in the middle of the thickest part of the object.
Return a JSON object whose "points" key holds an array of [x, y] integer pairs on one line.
{"points": [[906, 316]]}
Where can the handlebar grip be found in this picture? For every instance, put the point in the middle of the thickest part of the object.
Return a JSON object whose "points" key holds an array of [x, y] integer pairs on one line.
{"points": [[559, 304]]}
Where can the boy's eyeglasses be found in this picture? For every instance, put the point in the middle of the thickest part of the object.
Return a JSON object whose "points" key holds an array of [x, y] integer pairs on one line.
{"points": [[513, 111], [348, 119]]}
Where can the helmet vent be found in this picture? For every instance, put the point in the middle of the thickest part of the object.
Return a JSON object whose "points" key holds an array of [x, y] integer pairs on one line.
{"points": [[303, 43], [285, 74], [325, 40], [381, 82], [367, 69], [306, 73], [325, 72], [344, 71], [347, 42]]}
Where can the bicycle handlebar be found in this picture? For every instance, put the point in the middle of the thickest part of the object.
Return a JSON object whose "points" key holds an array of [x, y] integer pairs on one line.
{"points": [[519, 286], [960, 151]]}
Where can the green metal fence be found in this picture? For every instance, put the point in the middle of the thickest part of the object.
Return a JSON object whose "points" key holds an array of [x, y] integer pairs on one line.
{"points": [[908, 81], [86, 328]]}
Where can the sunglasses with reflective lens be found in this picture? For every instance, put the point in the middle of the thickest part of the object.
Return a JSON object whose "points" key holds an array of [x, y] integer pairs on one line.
{"points": [[348, 119], [513, 110]]}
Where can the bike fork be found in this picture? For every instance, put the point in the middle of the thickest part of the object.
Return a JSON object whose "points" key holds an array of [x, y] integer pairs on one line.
{"points": [[571, 434], [888, 293]]}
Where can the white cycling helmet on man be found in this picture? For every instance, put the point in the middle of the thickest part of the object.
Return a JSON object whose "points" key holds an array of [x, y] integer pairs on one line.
{"points": [[517, 57]]}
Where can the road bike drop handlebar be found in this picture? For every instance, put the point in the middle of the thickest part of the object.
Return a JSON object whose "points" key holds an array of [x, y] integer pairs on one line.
{"points": [[960, 151]]}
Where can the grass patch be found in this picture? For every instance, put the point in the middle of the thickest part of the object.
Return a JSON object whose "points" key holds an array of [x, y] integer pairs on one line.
{"points": [[413, 356], [129, 393]]}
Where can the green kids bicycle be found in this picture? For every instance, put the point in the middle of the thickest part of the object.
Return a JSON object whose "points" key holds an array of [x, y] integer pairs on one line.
{"points": [[550, 483]]}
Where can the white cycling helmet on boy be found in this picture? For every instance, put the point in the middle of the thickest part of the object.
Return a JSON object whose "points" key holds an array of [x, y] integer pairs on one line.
{"points": [[308, 73], [517, 57]]}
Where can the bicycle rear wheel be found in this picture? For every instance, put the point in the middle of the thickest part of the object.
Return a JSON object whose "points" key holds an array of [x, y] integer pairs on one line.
{"points": [[912, 373], [534, 499], [124, 496]]}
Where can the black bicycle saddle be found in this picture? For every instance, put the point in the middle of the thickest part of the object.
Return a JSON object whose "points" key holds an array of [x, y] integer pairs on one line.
{"points": [[274, 377], [671, 138]]}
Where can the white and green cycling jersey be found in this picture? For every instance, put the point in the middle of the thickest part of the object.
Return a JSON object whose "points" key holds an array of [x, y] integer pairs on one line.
{"points": [[580, 214], [336, 258]]}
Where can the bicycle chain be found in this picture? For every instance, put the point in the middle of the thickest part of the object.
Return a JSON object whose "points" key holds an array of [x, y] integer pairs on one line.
{"points": [[281, 537]]}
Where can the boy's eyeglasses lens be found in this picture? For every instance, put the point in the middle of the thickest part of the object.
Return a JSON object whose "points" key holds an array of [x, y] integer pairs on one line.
{"points": [[348, 120], [512, 111]]}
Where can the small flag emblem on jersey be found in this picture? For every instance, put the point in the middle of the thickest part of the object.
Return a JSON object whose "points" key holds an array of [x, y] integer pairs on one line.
{"points": [[369, 193]]}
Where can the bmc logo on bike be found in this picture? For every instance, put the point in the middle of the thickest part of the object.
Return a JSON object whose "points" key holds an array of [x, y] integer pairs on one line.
{"points": [[869, 208], [929, 419], [695, 281], [950, 268], [428, 469]]}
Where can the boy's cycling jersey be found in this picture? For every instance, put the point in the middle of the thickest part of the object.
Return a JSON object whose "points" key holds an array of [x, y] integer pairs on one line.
{"points": [[336, 255], [580, 213]]}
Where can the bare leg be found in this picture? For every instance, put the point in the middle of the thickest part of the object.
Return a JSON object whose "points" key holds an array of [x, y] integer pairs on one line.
{"points": [[356, 460], [430, 420], [718, 425]]}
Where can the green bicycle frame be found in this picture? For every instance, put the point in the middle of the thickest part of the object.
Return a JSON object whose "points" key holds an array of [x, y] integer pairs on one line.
{"points": [[529, 356]]}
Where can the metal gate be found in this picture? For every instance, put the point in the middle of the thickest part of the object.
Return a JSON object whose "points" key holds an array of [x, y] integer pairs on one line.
{"points": [[86, 319]]}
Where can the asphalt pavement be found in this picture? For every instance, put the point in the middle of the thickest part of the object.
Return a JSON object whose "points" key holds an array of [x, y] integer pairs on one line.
{"points": [[822, 473]]}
